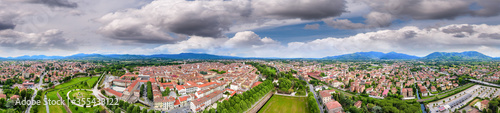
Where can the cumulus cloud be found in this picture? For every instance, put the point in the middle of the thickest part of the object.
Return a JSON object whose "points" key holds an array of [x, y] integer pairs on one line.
{"points": [[161, 18], [383, 12], [311, 26], [242, 42], [50, 3], [410, 40], [50, 39]]}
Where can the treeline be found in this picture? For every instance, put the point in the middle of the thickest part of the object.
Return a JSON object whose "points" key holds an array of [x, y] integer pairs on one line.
{"points": [[313, 105], [116, 67], [128, 108], [150, 90], [38, 97], [289, 84], [387, 105], [493, 106], [217, 71], [242, 102], [10, 105], [269, 72]]}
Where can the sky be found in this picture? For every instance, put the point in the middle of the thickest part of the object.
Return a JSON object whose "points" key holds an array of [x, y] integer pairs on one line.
{"points": [[248, 28]]}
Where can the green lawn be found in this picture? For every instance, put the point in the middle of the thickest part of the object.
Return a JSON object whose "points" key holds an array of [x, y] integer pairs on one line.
{"points": [[55, 108], [92, 81], [140, 104], [63, 88], [72, 82], [285, 104]]}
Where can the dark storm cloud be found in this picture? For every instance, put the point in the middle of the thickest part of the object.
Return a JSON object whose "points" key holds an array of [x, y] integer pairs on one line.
{"points": [[55, 3], [303, 9], [154, 22], [50, 39], [211, 26], [6, 26]]}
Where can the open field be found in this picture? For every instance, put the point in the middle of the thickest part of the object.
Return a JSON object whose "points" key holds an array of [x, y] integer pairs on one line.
{"points": [[55, 108], [63, 88], [285, 104]]}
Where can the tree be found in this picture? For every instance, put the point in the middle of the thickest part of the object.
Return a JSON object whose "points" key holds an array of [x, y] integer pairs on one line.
{"points": [[141, 93], [150, 90], [144, 110], [166, 92], [493, 105]]}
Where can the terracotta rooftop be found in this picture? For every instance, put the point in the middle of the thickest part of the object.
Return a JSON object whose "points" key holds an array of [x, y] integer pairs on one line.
{"points": [[333, 105]]}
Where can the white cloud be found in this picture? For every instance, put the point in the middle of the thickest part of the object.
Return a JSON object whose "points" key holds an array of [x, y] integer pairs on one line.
{"points": [[410, 40]]}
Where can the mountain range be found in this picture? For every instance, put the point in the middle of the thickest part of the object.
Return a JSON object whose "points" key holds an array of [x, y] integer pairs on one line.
{"points": [[372, 55]]}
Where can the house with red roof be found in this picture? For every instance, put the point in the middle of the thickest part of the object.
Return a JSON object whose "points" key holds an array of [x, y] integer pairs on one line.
{"points": [[333, 107]]}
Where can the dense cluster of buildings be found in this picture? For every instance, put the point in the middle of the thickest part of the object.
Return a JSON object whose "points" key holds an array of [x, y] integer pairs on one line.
{"points": [[379, 80], [196, 86]]}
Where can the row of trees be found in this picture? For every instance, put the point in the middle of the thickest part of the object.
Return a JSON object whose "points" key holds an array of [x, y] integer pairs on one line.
{"points": [[10, 104], [269, 72], [242, 102], [129, 108], [150, 91], [313, 105], [387, 105]]}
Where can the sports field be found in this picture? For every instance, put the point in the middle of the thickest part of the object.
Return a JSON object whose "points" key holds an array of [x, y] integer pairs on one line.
{"points": [[285, 104]]}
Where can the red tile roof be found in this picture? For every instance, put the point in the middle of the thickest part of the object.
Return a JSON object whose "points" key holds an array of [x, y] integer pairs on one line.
{"points": [[131, 87], [256, 84], [207, 84], [333, 105], [118, 94]]}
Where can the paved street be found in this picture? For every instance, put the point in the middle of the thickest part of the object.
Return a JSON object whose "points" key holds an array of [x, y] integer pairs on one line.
{"points": [[311, 88], [35, 87], [485, 83]]}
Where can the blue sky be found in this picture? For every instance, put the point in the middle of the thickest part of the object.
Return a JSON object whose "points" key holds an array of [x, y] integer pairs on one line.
{"points": [[248, 28]]}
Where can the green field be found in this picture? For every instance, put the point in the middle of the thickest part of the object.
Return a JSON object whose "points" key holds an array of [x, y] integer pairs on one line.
{"points": [[285, 104], [63, 89], [55, 108]]}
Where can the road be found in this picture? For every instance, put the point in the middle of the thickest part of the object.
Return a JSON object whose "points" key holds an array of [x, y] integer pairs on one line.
{"points": [[36, 87], [311, 88], [46, 103], [485, 83], [96, 91]]}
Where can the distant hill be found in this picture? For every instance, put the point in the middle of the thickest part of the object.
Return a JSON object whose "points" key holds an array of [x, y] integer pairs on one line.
{"points": [[394, 55], [372, 55], [82, 56], [467, 55]]}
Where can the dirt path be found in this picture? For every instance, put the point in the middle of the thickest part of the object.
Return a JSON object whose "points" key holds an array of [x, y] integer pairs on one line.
{"points": [[64, 104], [255, 108]]}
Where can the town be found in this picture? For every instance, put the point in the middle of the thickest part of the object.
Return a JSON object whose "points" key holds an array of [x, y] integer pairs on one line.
{"points": [[228, 86]]}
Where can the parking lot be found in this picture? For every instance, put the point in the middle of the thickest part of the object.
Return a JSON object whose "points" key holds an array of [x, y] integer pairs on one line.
{"points": [[474, 91]]}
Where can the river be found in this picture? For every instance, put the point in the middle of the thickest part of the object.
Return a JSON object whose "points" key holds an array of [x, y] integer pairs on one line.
{"points": [[422, 106]]}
